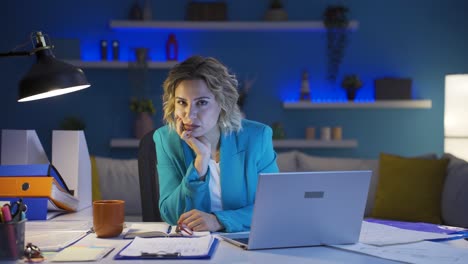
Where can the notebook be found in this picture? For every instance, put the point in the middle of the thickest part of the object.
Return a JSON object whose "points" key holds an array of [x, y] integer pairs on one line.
{"points": [[295, 209], [157, 229]]}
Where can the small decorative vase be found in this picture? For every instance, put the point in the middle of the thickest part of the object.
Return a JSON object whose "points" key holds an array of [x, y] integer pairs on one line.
{"points": [[143, 124], [276, 14], [351, 93], [141, 55], [135, 12], [147, 10], [172, 48]]}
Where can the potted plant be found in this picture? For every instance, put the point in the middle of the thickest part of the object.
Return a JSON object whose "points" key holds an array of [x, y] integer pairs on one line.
{"points": [[336, 22], [144, 109], [351, 84], [278, 130], [72, 123], [276, 12]]}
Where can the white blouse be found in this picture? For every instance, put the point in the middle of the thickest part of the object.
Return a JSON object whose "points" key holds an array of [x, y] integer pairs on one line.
{"points": [[215, 186]]}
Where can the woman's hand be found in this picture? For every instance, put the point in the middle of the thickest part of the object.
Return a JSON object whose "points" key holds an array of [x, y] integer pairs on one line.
{"points": [[200, 221], [200, 146]]}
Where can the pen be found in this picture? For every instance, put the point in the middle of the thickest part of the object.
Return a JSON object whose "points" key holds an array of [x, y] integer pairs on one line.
{"points": [[108, 252]]}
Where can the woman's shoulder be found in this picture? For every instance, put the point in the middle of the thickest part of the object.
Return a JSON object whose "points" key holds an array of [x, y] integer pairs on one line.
{"points": [[164, 133], [250, 125]]}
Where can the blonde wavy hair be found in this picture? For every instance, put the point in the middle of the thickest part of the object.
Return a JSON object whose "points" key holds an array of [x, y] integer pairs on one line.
{"points": [[218, 79]]}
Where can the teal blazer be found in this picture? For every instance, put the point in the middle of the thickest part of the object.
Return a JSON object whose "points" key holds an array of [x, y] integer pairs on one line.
{"points": [[243, 155]]}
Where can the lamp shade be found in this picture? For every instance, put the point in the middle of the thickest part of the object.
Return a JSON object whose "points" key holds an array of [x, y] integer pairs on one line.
{"points": [[455, 121], [456, 96], [50, 77]]}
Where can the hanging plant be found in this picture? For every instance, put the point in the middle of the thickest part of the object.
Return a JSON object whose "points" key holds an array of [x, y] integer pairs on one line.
{"points": [[336, 22]]}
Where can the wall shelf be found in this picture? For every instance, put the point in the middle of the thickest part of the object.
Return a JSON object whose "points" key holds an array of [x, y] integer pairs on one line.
{"points": [[283, 143], [120, 64], [124, 143], [224, 25], [422, 104], [307, 143]]}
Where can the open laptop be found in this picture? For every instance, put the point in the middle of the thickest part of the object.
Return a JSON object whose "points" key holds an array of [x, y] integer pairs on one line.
{"points": [[295, 209]]}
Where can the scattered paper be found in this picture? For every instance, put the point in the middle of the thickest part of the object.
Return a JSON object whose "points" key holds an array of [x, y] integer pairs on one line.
{"points": [[55, 235], [383, 235], [422, 252], [82, 253]]}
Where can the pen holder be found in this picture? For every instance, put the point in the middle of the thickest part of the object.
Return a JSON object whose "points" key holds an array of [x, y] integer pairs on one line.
{"points": [[12, 240]]}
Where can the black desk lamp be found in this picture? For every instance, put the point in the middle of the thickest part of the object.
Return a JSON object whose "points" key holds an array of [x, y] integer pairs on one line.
{"points": [[48, 76]]}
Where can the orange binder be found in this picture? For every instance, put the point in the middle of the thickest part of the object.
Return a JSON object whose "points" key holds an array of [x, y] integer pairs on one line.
{"points": [[38, 187], [26, 186]]}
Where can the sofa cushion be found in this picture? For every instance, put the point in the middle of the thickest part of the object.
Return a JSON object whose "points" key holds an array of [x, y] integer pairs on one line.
{"points": [[314, 163], [96, 188], [410, 189], [455, 193], [287, 161], [118, 180]]}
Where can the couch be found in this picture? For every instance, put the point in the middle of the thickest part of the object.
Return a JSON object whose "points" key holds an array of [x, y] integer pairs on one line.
{"points": [[118, 179]]}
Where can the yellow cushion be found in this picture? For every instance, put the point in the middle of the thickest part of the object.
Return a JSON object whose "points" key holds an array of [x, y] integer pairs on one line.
{"points": [[410, 189], [96, 191]]}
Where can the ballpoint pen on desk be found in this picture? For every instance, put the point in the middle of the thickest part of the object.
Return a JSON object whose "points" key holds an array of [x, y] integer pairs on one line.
{"points": [[184, 230]]}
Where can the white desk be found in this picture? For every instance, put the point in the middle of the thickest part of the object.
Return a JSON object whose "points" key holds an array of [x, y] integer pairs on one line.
{"points": [[227, 253]]}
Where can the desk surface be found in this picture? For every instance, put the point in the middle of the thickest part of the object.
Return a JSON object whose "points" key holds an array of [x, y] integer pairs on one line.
{"points": [[227, 253]]}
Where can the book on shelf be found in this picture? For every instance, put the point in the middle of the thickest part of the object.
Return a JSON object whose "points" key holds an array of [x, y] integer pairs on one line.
{"points": [[156, 229]]}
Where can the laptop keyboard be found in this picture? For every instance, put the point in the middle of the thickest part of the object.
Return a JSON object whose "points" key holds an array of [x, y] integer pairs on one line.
{"points": [[244, 240]]}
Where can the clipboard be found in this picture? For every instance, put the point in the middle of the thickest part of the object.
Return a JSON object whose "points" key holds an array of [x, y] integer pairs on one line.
{"points": [[213, 248]]}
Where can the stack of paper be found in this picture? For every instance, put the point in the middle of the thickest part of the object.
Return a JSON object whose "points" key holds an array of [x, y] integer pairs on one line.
{"points": [[82, 253], [382, 235], [405, 245]]}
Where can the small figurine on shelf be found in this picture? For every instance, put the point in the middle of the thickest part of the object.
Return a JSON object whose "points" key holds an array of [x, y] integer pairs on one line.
{"points": [[135, 11], [147, 10], [276, 12], [305, 89], [172, 48], [103, 49], [115, 49]]}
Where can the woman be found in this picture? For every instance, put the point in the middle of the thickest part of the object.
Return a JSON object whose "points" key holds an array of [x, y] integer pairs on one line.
{"points": [[208, 157]]}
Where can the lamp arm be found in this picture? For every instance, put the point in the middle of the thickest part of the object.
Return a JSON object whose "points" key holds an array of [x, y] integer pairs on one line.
{"points": [[17, 53]]}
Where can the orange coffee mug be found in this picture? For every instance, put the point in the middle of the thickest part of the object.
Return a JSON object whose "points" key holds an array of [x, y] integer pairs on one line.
{"points": [[108, 217]]}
